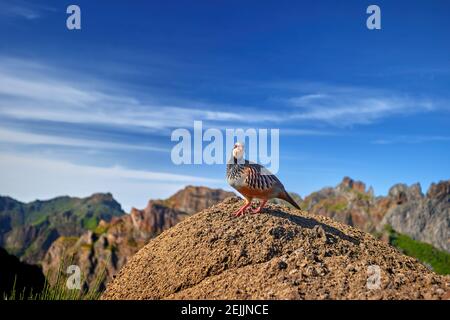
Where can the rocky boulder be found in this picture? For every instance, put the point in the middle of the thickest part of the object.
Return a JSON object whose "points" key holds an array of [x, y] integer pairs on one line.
{"points": [[281, 253]]}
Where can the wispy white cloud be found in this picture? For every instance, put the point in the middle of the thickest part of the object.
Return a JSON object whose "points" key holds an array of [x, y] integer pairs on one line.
{"points": [[305, 132], [404, 139], [23, 9], [307, 99], [116, 171], [34, 92], [29, 177], [26, 138], [356, 106], [37, 92], [29, 95]]}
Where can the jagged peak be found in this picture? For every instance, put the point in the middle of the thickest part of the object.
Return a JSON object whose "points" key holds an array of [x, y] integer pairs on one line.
{"points": [[439, 190], [349, 183], [401, 192]]}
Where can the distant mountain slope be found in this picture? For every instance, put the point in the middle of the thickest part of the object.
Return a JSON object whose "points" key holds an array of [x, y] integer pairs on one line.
{"points": [[192, 199], [28, 229], [349, 202], [108, 247], [97, 233], [405, 209]]}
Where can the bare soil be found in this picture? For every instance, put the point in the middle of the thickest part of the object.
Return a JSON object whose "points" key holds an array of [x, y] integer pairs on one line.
{"points": [[281, 253]]}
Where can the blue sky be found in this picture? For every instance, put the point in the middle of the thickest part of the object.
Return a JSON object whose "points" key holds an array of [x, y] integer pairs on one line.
{"points": [[92, 110]]}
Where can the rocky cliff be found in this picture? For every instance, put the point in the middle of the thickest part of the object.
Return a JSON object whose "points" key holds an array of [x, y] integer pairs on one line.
{"points": [[192, 199], [425, 218], [350, 202], [99, 236], [279, 254], [107, 248], [405, 208]]}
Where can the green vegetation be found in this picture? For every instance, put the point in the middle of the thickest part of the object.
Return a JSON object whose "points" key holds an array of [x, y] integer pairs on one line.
{"points": [[304, 205], [39, 220], [87, 246], [61, 215], [439, 260], [58, 289], [338, 206], [69, 240], [99, 230], [90, 223], [362, 196], [36, 212]]}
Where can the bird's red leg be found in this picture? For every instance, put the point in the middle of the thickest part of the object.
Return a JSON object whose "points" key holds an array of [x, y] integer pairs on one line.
{"points": [[258, 210], [241, 211]]}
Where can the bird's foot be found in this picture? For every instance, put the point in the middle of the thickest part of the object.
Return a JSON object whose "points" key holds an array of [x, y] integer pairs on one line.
{"points": [[240, 212]]}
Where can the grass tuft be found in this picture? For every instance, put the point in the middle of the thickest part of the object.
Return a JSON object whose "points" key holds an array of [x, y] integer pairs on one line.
{"points": [[57, 288]]}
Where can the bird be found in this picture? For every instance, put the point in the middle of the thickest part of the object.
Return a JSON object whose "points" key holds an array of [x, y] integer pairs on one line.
{"points": [[253, 181]]}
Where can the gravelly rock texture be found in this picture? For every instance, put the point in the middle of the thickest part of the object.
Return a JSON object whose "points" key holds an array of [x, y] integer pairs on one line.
{"points": [[281, 253]]}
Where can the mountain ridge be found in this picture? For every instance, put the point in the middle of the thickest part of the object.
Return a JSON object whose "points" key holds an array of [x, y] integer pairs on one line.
{"points": [[352, 203], [108, 247], [108, 243], [28, 229]]}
